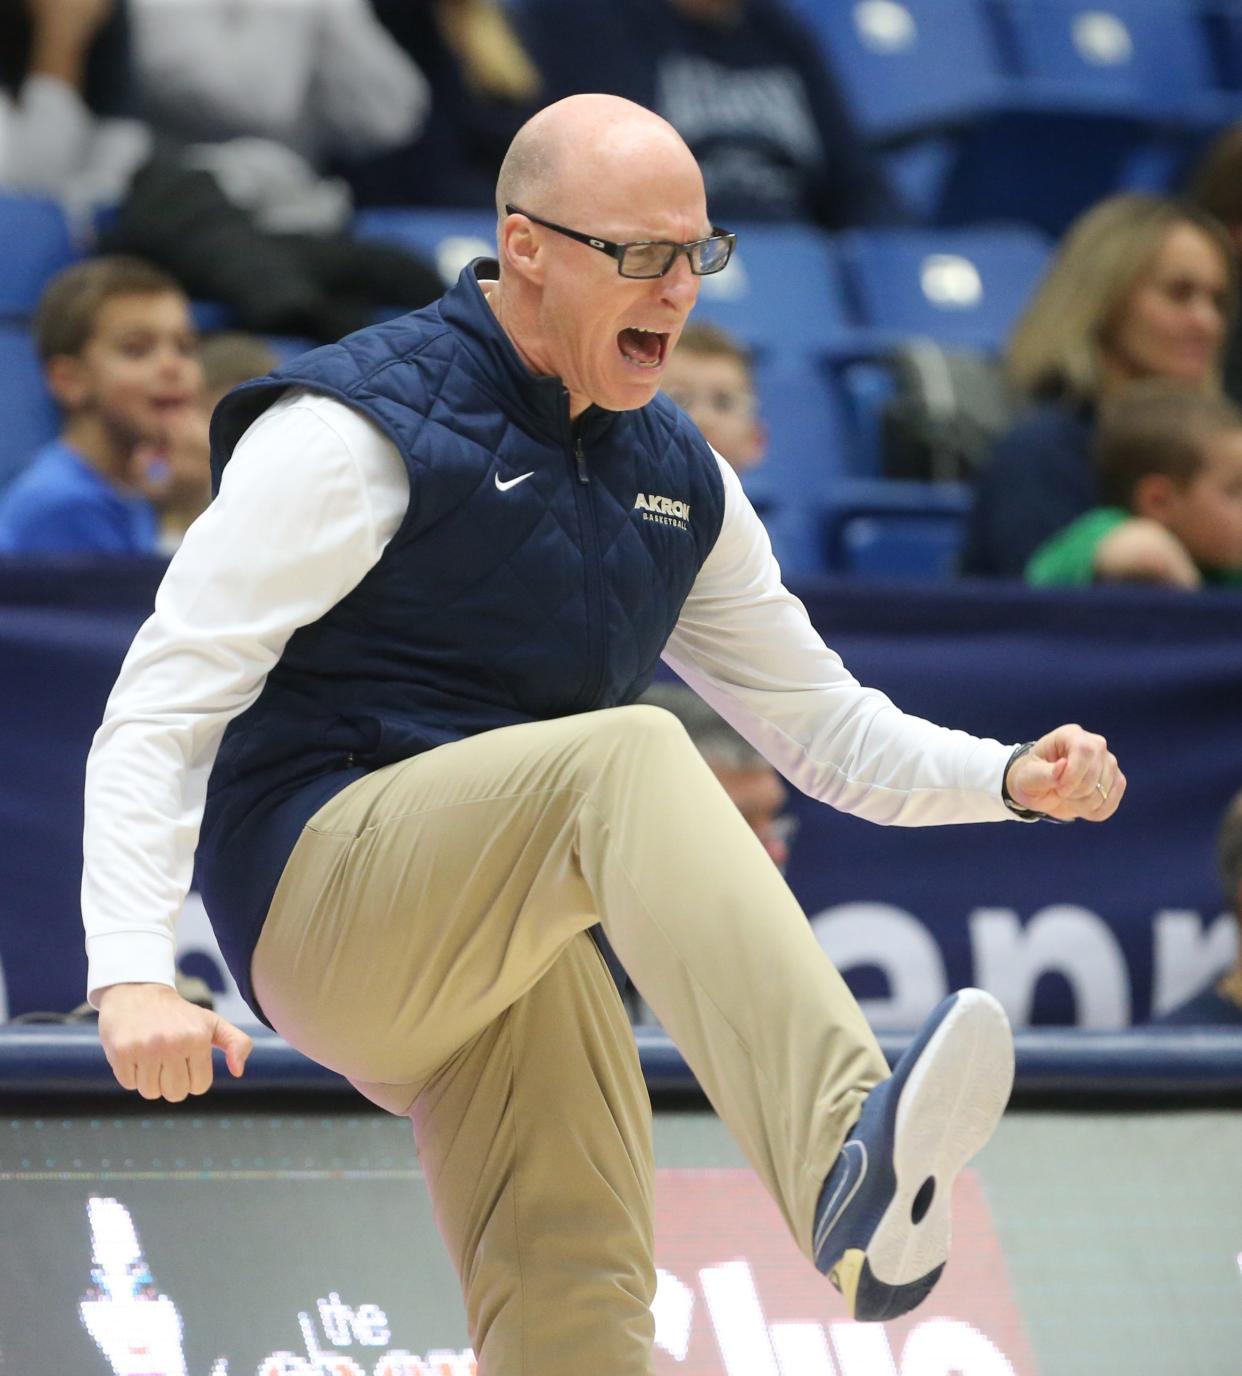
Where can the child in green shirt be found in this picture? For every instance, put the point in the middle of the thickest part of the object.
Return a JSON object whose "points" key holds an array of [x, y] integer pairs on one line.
{"points": [[1170, 464]]}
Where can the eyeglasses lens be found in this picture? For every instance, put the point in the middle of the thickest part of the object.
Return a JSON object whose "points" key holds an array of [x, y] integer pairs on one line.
{"points": [[655, 259]]}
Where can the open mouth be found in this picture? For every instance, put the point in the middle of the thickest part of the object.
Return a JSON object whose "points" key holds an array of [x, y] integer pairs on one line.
{"points": [[642, 348]]}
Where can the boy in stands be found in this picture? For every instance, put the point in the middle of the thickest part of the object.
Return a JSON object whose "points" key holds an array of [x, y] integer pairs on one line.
{"points": [[131, 467], [709, 375], [1170, 462]]}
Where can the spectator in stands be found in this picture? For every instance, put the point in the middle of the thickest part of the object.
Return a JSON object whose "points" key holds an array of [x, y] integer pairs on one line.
{"points": [[754, 787], [484, 86], [1169, 467], [1216, 188], [130, 469], [66, 126], [1221, 1000], [246, 221], [230, 358], [240, 211], [709, 376], [316, 77], [742, 81], [1141, 287]]}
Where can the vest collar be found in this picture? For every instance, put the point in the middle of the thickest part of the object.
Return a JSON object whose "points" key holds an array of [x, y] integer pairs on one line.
{"points": [[542, 402]]}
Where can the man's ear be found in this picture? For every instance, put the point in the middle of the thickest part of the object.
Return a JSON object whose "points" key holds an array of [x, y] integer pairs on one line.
{"points": [[67, 380], [520, 248], [1153, 495]]}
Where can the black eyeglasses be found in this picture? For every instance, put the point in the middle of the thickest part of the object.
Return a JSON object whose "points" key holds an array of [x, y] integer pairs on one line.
{"points": [[651, 257]]}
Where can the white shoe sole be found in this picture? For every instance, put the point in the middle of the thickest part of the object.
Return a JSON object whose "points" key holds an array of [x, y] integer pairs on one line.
{"points": [[948, 1108]]}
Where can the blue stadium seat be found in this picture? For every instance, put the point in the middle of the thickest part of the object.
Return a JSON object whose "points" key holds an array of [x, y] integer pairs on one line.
{"points": [[961, 287], [910, 67], [29, 415], [809, 451], [35, 243], [781, 290], [448, 238], [1222, 24], [801, 408], [900, 530], [955, 92], [1146, 59]]}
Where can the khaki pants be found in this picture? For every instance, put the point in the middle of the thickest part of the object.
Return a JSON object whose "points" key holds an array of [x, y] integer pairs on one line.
{"points": [[428, 940]]}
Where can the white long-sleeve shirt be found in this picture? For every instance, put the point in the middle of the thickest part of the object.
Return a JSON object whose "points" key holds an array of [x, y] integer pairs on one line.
{"points": [[309, 500]]}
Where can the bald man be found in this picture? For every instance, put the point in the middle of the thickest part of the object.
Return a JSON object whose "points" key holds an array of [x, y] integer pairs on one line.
{"points": [[386, 690]]}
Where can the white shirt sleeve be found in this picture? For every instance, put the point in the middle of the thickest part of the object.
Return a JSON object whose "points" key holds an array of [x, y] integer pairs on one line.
{"points": [[310, 498], [746, 645]]}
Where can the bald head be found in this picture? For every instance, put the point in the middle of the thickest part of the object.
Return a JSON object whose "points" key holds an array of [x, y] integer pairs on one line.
{"points": [[585, 175], [565, 157]]}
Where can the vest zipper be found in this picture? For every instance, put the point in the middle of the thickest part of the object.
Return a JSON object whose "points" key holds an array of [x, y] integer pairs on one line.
{"points": [[594, 577]]}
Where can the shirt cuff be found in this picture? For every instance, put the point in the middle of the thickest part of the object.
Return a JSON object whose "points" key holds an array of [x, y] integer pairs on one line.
{"points": [[129, 958]]}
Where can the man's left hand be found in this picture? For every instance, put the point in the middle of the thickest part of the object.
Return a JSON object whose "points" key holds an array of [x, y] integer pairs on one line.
{"points": [[1068, 773]]}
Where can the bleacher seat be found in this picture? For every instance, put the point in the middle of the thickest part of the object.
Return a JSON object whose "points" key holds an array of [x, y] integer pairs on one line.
{"points": [[781, 290], [960, 287], [909, 66], [970, 131], [801, 408], [30, 417], [448, 238], [35, 243], [1146, 59], [809, 451], [1222, 25], [901, 530]]}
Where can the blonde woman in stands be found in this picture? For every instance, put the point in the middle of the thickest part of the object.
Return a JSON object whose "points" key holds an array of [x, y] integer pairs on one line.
{"points": [[1142, 286]]}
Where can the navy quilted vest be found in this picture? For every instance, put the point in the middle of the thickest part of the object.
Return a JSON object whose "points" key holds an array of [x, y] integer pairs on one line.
{"points": [[492, 605]]}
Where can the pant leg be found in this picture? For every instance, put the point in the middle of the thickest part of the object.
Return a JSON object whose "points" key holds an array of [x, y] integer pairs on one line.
{"points": [[426, 899], [536, 1141]]}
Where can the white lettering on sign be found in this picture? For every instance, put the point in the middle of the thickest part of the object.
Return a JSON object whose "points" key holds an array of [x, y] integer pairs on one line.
{"points": [[1187, 952], [856, 934], [673, 1311], [1010, 957], [862, 1349], [737, 1316], [949, 1347], [802, 1349]]}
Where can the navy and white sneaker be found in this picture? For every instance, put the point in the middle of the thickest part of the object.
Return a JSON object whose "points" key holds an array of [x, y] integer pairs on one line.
{"points": [[882, 1222]]}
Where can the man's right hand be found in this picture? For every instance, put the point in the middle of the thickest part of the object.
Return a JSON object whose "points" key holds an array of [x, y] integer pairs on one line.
{"points": [[160, 1045]]}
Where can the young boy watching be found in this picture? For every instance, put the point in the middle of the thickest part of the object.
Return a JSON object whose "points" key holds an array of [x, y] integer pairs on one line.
{"points": [[709, 376], [1170, 464], [130, 468]]}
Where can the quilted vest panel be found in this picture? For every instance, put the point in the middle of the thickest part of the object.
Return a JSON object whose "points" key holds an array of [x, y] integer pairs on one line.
{"points": [[538, 572]]}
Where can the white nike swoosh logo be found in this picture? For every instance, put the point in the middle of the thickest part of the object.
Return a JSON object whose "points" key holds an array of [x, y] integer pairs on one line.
{"points": [[512, 482]]}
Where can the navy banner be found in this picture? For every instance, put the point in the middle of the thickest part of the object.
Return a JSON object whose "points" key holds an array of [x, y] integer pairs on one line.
{"points": [[1093, 925]]}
